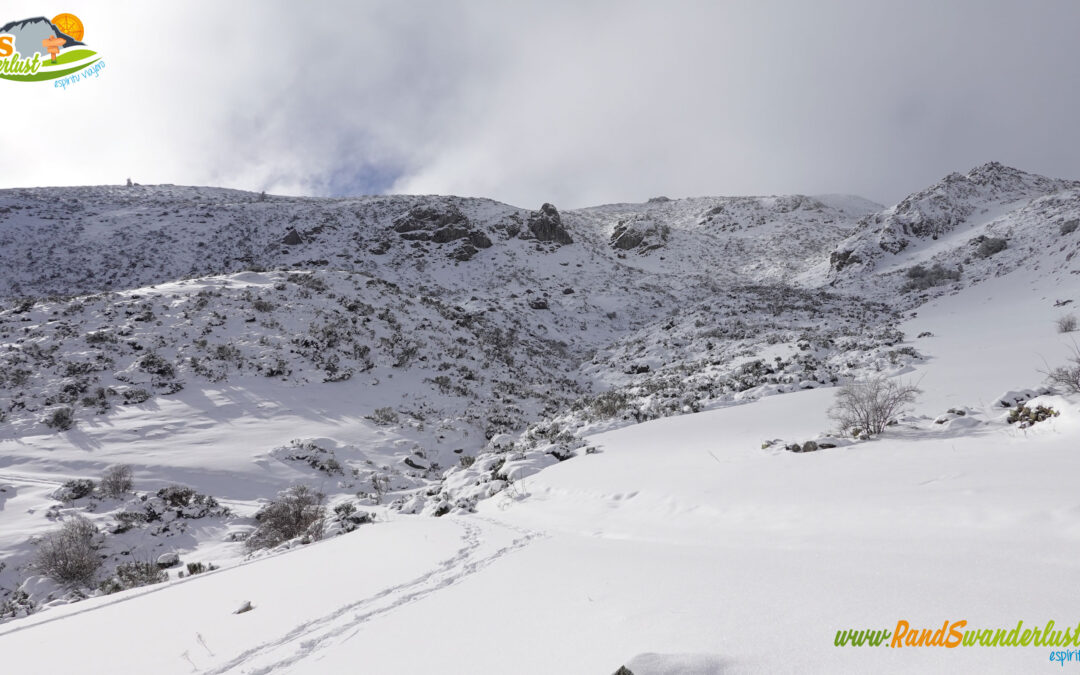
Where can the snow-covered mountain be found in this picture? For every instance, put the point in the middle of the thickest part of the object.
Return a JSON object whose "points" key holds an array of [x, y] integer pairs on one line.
{"points": [[439, 355], [967, 227]]}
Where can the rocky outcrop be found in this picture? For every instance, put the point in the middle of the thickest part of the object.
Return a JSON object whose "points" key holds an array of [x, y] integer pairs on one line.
{"points": [[940, 210], [546, 225], [442, 224], [639, 232], [430, 218], [293, 238]]}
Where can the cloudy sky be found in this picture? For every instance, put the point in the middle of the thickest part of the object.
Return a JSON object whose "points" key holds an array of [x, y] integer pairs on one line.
{"points": [[576, 103]]}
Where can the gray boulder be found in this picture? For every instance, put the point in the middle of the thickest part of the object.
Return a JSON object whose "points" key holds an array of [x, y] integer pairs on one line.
{"points": [[639, 232], [546, 225]]}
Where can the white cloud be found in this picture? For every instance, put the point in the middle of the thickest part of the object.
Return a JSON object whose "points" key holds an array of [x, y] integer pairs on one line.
{"points": [[574, 103]]}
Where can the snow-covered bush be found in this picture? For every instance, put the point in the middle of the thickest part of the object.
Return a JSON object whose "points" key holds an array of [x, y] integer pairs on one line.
{"points": [[74, 489], [297, 512], [61, 419], [347, 517], [156, 365], [136, 396], [384, 416], [133, 575], [312, 454], [988, 246], [262, 305], [921, 278], [176, 496], [116, 481], [1067, 323], [608, 404], [69, 555], [868, 406], [194, 568], [18, 604]]}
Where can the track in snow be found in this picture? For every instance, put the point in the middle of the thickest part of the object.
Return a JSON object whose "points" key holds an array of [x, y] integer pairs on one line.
{"points": [[477, 552]]}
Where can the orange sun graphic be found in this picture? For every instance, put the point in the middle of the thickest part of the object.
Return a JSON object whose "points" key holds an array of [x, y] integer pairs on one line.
{"points": [[69, 25]]}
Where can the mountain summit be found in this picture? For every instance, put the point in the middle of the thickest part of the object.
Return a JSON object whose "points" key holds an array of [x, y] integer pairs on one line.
{"points": [[952, 206]]}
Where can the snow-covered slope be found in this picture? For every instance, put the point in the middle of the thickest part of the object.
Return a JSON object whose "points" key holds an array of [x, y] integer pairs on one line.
{"points": [[680, 538], [960, 231], [445, 356]]}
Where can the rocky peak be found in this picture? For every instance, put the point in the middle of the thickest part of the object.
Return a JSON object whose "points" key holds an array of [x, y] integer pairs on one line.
{"points": [[546, 225]]}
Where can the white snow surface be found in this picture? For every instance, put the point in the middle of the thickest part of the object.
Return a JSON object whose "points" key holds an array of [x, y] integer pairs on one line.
{"points": [[691, 542]]}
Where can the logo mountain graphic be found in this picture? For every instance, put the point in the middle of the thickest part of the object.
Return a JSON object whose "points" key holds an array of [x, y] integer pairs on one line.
{"points": [[30, 32], [40, 49]]}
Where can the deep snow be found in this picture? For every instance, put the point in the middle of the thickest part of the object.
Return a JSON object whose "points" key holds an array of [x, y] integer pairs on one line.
{"points": [[679, 544]]}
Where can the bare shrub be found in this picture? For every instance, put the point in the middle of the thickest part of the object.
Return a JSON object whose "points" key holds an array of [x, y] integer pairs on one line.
{"points": [[116, 481], [1067, 323], [297, 512], [608, 405], [133, 575], [988, 246], [384, 416], [1066, 377], [61, 419], [868, 406], [921, 278], [69, 554]]}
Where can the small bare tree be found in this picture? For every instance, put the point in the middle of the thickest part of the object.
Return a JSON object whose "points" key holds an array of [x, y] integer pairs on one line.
{"points": [[1067, 323], [1066, 377], [868, 406], [116, 481], [298, 511], [69, 555]]}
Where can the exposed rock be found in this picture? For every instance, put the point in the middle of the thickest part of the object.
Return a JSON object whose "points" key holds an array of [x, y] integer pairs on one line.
{"points": [[625, 238], [479, 239], [430, 218], [639, 232], [464, 252], [838, 260], [442, 224], [546, 225], [293, 238], [446, 234], [171, 559], [539, 303]]}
